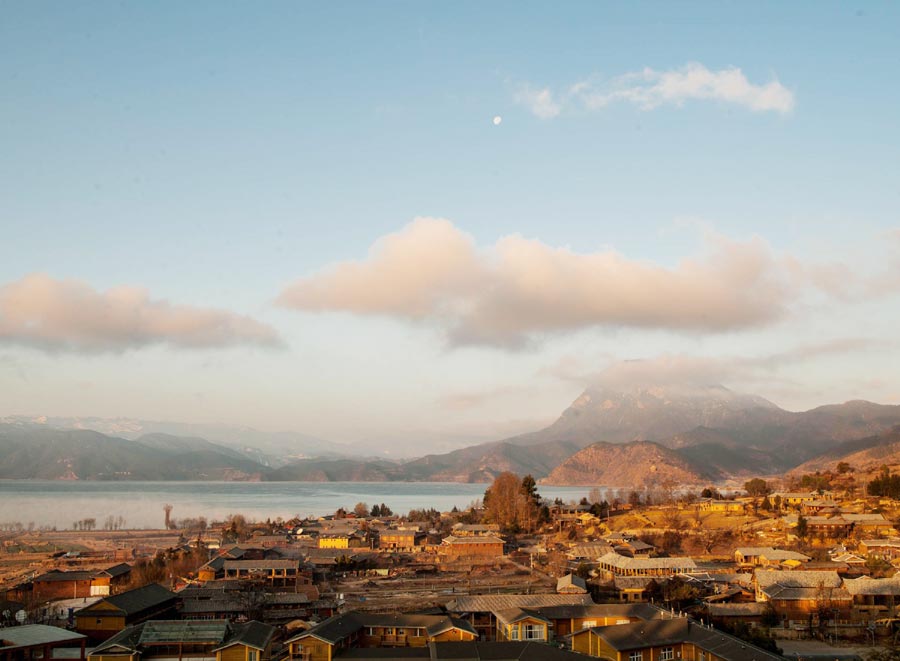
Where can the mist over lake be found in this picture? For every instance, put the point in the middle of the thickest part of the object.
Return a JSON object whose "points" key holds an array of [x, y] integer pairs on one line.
{"points": [[60, 503]]}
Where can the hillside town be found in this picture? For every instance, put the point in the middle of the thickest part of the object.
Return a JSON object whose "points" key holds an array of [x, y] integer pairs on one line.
{"points": [[656, 574]]}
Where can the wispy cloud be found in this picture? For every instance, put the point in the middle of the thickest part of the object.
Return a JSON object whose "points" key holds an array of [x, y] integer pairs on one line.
{"points": [[432, 272], [692, 370], [69, 315], [649, 89]]}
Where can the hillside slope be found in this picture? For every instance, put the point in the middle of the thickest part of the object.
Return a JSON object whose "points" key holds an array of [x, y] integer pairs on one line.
{"points": [[635, 464]]}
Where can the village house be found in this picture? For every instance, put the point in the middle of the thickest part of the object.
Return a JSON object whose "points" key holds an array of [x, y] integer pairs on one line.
{"points": [[559, 615], [666, 640], [111, 580], [39, 642], [357, 629], [275, 573], [798, 595], [342, 540], [472, 548], [58, 584], [112, 614], [873, 598], [766, 556], [571, 584], [796, 499], [881, 549], [722, 506], [470, 529], [613, 564], [168, 639], [401, 540]]}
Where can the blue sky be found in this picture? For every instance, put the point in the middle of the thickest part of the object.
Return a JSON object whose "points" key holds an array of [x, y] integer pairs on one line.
{"points": [[215, 154]]}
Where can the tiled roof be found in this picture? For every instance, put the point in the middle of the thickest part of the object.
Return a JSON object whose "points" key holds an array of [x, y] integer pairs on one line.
{"points": [[486, 603], [136, 600], [339, 627], [797, 579], [622, 562], [873, 586], [474, 539], [36, 634], [642, 635]]}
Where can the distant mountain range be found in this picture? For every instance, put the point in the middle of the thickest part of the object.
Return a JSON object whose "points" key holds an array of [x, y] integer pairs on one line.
{"points": [[614, 438]]}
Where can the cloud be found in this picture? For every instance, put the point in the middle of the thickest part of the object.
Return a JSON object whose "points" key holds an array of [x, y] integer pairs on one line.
{"points": [[506, 295], [68, 315], [649, 89], [686, 370], [539, 101]]}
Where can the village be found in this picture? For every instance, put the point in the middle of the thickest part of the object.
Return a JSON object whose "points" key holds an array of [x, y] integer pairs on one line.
{"points": [[803, 570]]}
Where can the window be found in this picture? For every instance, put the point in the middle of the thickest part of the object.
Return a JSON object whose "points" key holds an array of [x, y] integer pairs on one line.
{"points": [[587, 624], [701, 656], [513, 632], [534, 632], [252, 655], [667, 654], [636, 656]]}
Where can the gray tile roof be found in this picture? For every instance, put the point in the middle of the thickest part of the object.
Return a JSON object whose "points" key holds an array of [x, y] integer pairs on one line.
{"points": [[641, 635], [36, 634], [485, 603], [135, 601], [797, 579]]}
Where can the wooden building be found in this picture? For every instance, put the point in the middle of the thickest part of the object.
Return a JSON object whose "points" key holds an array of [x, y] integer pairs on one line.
{"points": [[105, 618], [678, 639], [39, 642], [365, 630], [168, 639]]}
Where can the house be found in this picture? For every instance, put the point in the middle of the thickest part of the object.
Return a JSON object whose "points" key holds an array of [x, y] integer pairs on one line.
{"points": [[832, 527], [874, 598], [472, 547], [571, 584], [58, 584], [666, 640], [342, 540], [356, 629], [473, 529], [111, 580], [869, 523], [167, 639], [766, 556], [522, 624], [559, 615], [275, 573], [881, 549], [728, 613], [467, 651], [480, 610], [633, 588], [796, 499], [800, 595], [400, 540], [723, 506], [614, 564], [39, 641], [110, 615]]}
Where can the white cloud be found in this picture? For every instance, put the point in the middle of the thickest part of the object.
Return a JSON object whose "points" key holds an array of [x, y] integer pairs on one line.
{"points": [[69, 315], [539, 101], [521, 288], [649, 89]]}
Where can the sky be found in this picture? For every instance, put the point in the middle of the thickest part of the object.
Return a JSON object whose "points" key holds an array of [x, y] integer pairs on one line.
{"points": [[384, 223]]}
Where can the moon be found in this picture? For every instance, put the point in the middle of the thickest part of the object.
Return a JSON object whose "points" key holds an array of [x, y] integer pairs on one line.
{"points": [[497, 120]]}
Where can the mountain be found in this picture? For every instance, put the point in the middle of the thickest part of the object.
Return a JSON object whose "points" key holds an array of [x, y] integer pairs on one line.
{"points": [[864, 455], [334, 470], [482, 463], [268, 448], [641, 414], [41, 452], [639, 463]]}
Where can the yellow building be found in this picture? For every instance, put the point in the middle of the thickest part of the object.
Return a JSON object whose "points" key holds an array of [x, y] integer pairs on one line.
{"points": [[678, 639], [352, 630], [209, 639]]}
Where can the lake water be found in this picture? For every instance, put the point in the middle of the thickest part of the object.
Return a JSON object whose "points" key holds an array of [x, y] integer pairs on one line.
{"points": [[54, 503]]}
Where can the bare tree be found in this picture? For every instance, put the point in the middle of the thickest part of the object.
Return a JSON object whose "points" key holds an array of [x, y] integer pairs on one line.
{"points": [[168, 510]]}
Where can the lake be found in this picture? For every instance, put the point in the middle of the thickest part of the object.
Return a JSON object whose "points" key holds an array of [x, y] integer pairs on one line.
{"points": [[57, 503]]}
